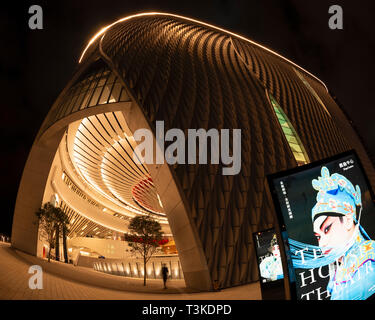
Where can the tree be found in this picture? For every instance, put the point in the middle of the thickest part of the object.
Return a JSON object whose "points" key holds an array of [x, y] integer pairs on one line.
{"points": [[47, 224], [144, 238], [57, 241], [62, 224], [65, 231], [51, 220]]}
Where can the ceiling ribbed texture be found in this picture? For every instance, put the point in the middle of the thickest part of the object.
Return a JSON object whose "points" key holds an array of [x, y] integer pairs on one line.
{"points": [[104, 155], [192, 76]]}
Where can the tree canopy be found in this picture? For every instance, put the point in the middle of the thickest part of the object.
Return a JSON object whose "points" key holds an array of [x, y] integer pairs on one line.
{"points": [[144, 238]]}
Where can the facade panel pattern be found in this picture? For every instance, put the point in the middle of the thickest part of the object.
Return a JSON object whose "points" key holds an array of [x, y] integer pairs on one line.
{"points": [[310, 119], [347, 131]]}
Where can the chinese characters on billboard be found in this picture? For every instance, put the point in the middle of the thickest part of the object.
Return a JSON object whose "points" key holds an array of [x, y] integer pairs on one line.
{"points": [[329, 217]]}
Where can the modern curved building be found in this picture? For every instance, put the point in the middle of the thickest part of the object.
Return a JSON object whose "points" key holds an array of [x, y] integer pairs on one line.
{"points": [[191, 75]]}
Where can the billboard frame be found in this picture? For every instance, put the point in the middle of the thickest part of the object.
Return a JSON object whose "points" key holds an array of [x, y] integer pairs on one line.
{"points": [[280, 226]]}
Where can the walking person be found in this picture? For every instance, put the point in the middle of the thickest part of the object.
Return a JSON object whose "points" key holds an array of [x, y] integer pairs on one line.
{"points": [[164, 271]]}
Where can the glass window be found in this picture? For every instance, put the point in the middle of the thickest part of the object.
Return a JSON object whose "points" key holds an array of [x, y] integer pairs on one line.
{"points": [[95, 97], [88, 95], [96, 87], [105, 94], [115, 94], [111, 79], [290, 134], [124, 96]]}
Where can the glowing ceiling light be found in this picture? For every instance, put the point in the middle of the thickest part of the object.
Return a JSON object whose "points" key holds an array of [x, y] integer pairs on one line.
{"points": [[159, 200]]}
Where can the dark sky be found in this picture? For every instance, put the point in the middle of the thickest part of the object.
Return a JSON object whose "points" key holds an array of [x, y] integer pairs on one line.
{"points": [[35, 65]]}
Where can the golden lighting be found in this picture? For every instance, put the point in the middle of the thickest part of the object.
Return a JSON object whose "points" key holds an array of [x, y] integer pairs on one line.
{"points": [[103, 30]]}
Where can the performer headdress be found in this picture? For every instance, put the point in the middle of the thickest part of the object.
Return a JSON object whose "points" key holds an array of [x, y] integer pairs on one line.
{"points": [[336, 195]]}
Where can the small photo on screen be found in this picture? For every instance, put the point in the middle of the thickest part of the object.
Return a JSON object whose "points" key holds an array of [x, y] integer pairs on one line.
{"points": [[269, 259]]}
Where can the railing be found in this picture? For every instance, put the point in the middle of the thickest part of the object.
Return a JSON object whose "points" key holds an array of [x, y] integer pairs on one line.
{"points": [[78, 191], [134, 268]]}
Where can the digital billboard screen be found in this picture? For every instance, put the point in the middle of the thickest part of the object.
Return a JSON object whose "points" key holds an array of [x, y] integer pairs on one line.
{"points": [[327, 215], [268, 255]]}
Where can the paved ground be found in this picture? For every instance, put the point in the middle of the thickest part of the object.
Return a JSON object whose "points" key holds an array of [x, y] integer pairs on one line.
{"points": [[67, 282]]}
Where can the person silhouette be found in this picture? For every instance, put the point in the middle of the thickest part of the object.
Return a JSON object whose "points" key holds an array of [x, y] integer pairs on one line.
{"points": [[164, 271]]}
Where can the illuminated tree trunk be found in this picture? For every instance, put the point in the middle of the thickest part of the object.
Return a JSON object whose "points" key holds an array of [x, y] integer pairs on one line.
{"points": [[49, 253], [57, 245], [65, 248], [144, 265]]}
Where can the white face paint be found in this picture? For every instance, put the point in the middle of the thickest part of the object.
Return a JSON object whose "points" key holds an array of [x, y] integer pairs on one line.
{"points": [[276, 251], [332, 233]]}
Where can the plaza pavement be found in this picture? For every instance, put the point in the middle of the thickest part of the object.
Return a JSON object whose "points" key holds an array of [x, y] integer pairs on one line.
{"points": [[67, 282]]}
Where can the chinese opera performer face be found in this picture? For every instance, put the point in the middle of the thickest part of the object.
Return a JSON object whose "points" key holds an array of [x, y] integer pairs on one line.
{"points": [[336, 223], [276, 251], [333, 231]]}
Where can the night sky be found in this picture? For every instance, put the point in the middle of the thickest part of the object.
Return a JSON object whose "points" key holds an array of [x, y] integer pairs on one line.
{"points": [[35, 65]]}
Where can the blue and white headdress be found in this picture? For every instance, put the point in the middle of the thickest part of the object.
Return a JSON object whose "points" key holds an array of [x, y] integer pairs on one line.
{"points": [[336, 194]]}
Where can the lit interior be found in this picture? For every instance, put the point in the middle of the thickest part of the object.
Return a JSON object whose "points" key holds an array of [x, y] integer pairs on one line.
{"points": [[290, 134], [98, 184]]}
